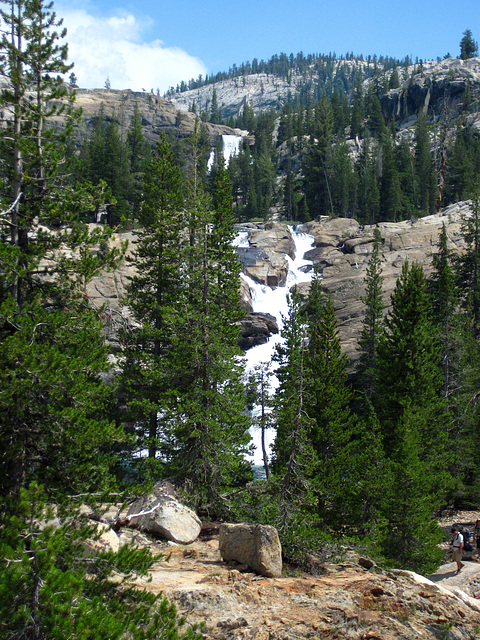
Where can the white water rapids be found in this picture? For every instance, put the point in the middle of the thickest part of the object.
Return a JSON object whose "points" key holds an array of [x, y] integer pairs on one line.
{"points": [[273, 301]]}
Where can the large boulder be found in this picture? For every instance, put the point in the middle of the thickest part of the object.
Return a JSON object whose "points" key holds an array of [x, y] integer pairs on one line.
{"points": [[257, 546], [257, 328], [105, 540], [264, 265], [273, 236], [161, 514]]}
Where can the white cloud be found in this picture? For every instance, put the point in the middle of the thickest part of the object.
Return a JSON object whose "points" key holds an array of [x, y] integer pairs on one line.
{"points": [[112, 48]]}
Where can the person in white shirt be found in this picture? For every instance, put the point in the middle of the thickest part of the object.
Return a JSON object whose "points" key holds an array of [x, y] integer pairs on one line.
{"points": [[457, 545]]}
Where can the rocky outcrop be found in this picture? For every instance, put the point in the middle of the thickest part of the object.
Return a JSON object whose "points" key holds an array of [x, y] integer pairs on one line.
{"points": [[105, 540], [342, 600], [161, 514], [256, 329], [272, 236], [264, 266], [158, 114], [343, 248], [264, 259], [439, 90], [257, 546]]}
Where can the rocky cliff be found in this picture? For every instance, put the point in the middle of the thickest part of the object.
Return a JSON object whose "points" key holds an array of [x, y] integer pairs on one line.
{"points": [[341, 249], [158, 114], [443, 90], [437, 87]]}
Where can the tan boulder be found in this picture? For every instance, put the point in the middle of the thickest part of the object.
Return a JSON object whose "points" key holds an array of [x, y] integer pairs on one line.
{"points": [[273, 236], [257, 546], [164, 516]]}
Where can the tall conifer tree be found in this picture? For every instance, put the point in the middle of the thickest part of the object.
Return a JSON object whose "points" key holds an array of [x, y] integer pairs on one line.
{"points": [[295, 461], [211, 433], [54, 406], [372, 324], [327, 400], [153, 293]]}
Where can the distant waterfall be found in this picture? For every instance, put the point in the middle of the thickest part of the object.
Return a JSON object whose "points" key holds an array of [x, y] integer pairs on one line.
{"points": [[231, 147]]}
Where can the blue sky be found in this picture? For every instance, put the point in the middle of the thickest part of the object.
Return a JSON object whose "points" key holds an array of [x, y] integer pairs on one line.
{"points": [[156, 44]]}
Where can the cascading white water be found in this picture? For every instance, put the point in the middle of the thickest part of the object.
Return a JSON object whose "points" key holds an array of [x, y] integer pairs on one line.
{"points": [[231, 147], [274, 301]]}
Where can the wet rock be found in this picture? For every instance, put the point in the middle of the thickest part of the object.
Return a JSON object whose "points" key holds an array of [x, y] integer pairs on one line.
{"points": [[256, 329]]}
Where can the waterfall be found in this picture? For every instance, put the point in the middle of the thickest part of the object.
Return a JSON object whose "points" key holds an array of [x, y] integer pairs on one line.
{"points": [[274, 301], [231, 147]]}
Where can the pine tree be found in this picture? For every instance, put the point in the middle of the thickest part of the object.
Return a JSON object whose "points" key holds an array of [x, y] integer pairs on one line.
{"points": [[368, 479], [425, 173], [468, 265], [327, 399], [468, 46], [42, 269], [209, 390], [55, 414], [259, 400], [153, 294], [318, 166], [294, 460], [390, 190], [411, 536], [51, 588], [33, 193], [139, 154], [409, 375], [444, 301], [372, 324]]}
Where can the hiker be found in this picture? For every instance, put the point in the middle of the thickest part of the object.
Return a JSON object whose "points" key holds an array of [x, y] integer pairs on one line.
{"points": [[457, 548], [476, 533]]}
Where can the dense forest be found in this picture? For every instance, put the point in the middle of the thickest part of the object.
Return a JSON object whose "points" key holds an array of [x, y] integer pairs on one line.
{"points": [[368, 458]]}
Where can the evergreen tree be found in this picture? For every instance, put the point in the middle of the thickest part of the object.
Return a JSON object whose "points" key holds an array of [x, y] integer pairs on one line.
{"points": [[358, 110], [425, 173], [259, 394], [209, 391], [468, 266], [444, 302], [55, 424], [409, 376], [33, 193], [215, 112], [411, 536], [153, 293], [294, 460], [318, 165], [372, 324], [468, 46], [368, 480], [139, 154], [327, 399], [50, 588], [390, 190], [462, 172]]}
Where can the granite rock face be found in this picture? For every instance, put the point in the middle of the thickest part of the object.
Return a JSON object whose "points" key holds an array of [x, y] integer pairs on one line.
{"points": [[439, 86], [165, 516], [158, 114], [341, 251], [343, 248]]}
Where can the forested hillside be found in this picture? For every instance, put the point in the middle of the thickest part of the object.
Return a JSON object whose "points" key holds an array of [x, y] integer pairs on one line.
{"points": [[368, 458], [375, 139]]}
